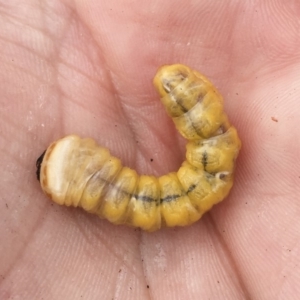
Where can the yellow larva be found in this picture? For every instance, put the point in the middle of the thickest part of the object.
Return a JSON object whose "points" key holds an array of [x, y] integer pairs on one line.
{"points": [[77, 172]]}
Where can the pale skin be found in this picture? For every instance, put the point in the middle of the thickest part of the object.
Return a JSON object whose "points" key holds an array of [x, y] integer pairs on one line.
{"points": [[86, 67]]}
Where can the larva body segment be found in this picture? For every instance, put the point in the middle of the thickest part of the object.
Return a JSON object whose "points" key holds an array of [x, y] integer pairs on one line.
{"points": [[78, 172]]}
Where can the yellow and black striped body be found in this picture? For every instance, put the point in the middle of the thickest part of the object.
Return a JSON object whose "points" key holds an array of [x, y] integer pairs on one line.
{"points": [[77, 172]]}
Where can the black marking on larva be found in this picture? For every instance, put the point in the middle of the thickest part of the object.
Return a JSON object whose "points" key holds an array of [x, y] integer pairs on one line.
{"points": [[107, 184], [223, 176], [204, 159], [191, 188], [111, 184], [39, 164], [223, 129], [145, 198], [200, 98], [149, 199], [170, 198], [166, 86], [166, 83], [179, 102]]}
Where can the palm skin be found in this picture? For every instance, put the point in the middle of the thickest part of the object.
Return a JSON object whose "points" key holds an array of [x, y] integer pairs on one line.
{"points": [[86, 67]]}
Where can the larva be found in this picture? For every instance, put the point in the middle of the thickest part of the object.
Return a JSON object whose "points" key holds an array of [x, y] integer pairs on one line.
{"points": [[77, 172]]}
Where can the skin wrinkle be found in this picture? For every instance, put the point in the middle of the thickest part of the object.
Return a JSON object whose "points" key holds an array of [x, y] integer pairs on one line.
{"points": [[54, 63], [149, 291], [161, 140], [24, 71], [230, 257], [19, 45], [16, 159], [29, 238], [105, 243], [13, 123], [287, 263], [12, 17], [84, 74], [120, 104], [68, 23], [46, 58], [83, 105], [59, 60], [93, 78]]}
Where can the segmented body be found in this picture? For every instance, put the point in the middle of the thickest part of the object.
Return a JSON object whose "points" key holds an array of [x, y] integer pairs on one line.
{"points": [[77, 172]]}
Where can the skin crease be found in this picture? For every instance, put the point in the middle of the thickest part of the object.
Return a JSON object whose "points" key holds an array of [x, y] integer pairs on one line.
{"points": [[86, 67]]}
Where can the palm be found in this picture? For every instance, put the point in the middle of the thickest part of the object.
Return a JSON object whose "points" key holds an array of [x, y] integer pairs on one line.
{"points": [[87, 69]]}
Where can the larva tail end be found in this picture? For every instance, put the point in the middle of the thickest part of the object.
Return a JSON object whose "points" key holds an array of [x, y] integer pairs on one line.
{"points": [[38, 165], [169, 76]]}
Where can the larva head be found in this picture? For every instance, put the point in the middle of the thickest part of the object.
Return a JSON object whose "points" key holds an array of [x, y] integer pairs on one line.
{"points": [[53, 169], [169, 76], [39, 165]]}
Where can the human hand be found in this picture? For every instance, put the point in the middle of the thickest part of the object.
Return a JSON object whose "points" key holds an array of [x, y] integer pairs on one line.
{"points": [[86, 67]]}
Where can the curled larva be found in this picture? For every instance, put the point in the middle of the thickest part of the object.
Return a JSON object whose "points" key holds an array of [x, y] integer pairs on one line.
{"points": [[77, 172]]}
